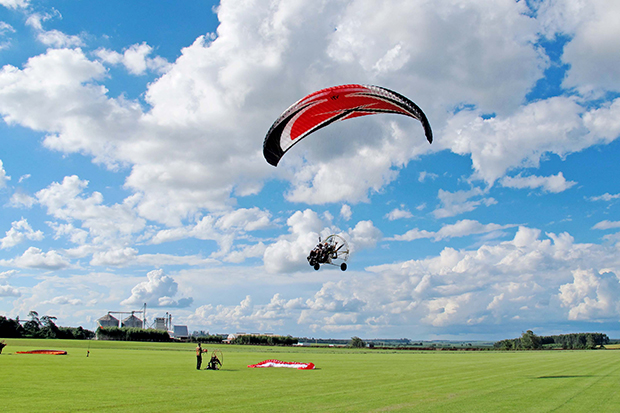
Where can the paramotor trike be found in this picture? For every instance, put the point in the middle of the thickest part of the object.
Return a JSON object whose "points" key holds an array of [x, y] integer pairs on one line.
{"points": [[334, 251]]}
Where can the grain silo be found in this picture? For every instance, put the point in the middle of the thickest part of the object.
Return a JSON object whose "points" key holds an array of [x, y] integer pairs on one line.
{"points": [[132, 321], [108, 321]]}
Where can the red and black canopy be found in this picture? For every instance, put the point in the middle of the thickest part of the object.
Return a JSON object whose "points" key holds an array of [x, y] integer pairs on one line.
{"points": [[333, 104]]}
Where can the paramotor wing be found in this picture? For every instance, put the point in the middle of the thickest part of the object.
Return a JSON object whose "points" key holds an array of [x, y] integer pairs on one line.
{"points": [[326, 106]]}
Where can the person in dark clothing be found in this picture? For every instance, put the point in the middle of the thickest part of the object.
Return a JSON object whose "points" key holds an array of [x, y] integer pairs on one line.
{"points": [[2, 345], [214, 363], [199, 352]]}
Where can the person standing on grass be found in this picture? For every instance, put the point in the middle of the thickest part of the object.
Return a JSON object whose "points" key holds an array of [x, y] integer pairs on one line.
{"points": [[2, 345], [199, 352]]}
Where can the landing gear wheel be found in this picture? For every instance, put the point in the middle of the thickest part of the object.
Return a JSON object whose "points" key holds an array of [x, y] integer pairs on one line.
{"points": [[343, 266], [317, 267]]}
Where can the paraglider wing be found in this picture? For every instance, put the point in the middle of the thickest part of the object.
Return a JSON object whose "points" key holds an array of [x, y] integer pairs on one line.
{"points": [[279, 363], [333, 104]]}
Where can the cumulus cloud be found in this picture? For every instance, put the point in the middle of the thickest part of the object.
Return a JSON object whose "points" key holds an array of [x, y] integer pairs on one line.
{"points": [[554, 183], [135, 59], [605, 197], [345, 212], [8, 291], [19, 232], [592, 51], [459, 202], [591, 296], [64, 300], [14, 4], [247, 315], [364, 235], [3, 176], [223, 229], [493, 284], [289, 252], [35, 258], [192, 147], [607, 225], [558, 125], [5, 289], [459, 229], [158, 291], [53, 38], [398, 213], [106, 225], [19, 200]]}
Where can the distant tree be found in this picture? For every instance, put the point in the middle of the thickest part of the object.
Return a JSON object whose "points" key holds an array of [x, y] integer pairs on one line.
{"points": [[49, 329], [33, 326], [530, 341], [10, 328], [357, 342]]}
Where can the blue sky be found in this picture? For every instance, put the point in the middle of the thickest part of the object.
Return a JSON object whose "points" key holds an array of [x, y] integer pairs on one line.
{"points": [[132, 171]]}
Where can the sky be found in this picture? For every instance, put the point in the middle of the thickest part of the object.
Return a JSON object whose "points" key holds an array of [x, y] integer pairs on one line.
{"points": [[131, 166]]}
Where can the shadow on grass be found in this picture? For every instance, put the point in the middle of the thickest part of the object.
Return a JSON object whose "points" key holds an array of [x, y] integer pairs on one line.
{"points": [[566, 376]]}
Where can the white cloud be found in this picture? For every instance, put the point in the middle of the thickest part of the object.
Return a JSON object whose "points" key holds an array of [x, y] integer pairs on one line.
{"points": [[607, 225], [223, 229], [459, 229], [64, 300], [5, 40], [245, 252], [8, 291], [592, 51], [605, 197], [492, 284], [345, 212], [116, 257], [14, 4], [3, 176], [19, 199], [554, 183], [135, 59], [397, 213], [19, 232], [455, 203], [158, 291], [193, 147], [247, 315], [364, 235], [66, 201], [53, 38], [427, 175], [35, 258], [591, 296], [245, 219], [289, 252]]}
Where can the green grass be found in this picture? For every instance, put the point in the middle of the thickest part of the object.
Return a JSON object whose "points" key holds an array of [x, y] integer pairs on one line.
{"points": [[156, 377]]}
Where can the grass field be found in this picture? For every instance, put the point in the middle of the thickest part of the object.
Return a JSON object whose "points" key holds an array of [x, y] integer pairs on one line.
{"points": [[162, 377]]}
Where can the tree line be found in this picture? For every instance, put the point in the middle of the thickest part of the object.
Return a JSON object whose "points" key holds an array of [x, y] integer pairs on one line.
{"points": [[574, 341], [207, 338], [265, 340], [40, 327], [132, 334]]}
